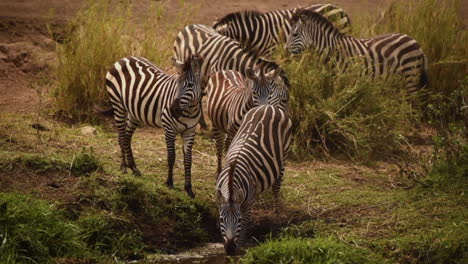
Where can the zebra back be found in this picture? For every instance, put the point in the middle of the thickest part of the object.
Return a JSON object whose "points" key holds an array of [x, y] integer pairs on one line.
{"points": [[219, 52], [231, 95], [261, 32], [140, 89], [255, 162], [381, 55]]}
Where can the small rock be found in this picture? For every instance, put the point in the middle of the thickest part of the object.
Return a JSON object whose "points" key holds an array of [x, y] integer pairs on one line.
{"points": [[88, 131]]}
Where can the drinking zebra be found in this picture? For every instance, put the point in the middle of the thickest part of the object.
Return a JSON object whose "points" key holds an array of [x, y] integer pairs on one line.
{"points": [[141, 93], [231, 95], [254, 162], [382, 55], [261, 32], [219, 53]]}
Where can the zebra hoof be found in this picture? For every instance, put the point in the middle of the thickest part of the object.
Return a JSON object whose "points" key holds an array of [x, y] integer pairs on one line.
{"points": [[136, 172], [123, 169], [190, 192], [170, 186]]}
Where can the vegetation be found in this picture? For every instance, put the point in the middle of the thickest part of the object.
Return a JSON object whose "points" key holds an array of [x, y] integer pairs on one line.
{"points": [[301, 250], [95, 39], [409, 206], [33, 231]]}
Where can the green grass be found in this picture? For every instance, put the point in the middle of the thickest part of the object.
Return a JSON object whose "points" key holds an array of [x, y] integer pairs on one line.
{"points": [[34, 231], [290, 250]]}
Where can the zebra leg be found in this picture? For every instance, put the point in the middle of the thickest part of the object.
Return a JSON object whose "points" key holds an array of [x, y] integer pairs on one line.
{"points": [[219, 139], [227, 142], [276, 190], [170, 145], [202, 121], [188, 137], [130, 129], [121, 123]]}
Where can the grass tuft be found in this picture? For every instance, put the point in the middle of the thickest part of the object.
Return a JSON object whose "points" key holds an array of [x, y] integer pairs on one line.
{"points": [[33, 231]]}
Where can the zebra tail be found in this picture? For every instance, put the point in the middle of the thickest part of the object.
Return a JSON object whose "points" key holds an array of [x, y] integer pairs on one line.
{"points": [[105, 112], [424, 80]]}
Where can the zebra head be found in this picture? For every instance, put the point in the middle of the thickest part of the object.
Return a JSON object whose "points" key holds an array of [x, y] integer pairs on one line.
{"points": [[311, 29], [270, 85], [230, 215], [295, 43], [189, 85]]}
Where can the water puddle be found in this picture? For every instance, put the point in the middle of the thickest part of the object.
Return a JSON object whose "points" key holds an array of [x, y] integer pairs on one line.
{"points": [[211, 253]]}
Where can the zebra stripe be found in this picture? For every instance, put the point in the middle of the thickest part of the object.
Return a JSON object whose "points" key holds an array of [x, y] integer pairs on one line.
{"points": [[382, 55], [261, 32], [231, 95], [218, 53], [254, 162], [141, 93]]}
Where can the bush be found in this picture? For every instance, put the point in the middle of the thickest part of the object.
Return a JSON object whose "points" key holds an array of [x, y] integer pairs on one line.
{"points": [[439, 29], [345, 113], [33, 231], [291, 250]]}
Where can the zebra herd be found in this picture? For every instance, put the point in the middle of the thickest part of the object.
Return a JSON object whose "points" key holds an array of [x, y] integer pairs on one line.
{"points": [[247, 96]]}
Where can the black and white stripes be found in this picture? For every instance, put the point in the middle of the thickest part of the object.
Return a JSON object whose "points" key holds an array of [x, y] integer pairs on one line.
{"points": [[261, 32], [141, 93], [231, 95], [382, 55], [254, 162]]}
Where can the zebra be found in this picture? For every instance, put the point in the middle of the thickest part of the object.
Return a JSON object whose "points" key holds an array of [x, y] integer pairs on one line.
{"points": [[261, 32], [141, 93], [219, 53], [382, 55], [254, 162], [230, 96]]}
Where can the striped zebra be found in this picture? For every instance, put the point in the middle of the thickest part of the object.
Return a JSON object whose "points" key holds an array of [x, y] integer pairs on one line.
{"points": [[141, 93], [218, 52], [261, 32], [255, 162], [231, 95], [382, 55]]}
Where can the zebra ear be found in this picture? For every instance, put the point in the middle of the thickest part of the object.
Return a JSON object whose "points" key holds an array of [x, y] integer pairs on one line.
{"points": [[273, 74], [178, 64], [196, 64], [249, 73]]}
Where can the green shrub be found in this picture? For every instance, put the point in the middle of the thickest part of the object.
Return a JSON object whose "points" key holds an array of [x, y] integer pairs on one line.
{"points": [[290, 250], [167, 219], [85, 162], [33, 231], [109, 234], [345, 113]]}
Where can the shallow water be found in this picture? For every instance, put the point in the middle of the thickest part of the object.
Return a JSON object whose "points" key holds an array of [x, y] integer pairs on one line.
{"points": [[211, 253]]}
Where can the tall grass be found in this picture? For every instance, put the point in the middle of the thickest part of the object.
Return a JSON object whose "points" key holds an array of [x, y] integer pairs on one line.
{"points": [[366, 119], [345, 113], [96, 38], [33, 231], [439, 29]]}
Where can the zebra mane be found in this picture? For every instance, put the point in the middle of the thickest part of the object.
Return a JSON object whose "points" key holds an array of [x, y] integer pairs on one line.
{"points": [[232, 167], [313, 16], [187, 65], [233, 16]]}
